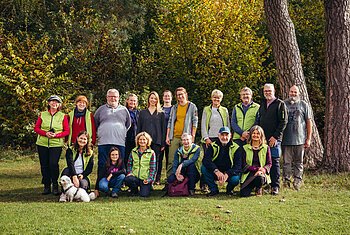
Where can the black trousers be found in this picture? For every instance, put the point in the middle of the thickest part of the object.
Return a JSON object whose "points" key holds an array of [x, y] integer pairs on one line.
{"points": [[133, 183], [257, 183], [49, 158]]}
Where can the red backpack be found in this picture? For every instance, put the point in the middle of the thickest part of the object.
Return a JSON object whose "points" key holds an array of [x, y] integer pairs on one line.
{"points": [[178, 188]]}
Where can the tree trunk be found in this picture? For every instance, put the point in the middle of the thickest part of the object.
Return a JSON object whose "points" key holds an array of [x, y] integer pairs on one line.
{"points": [[290, 72], [337, 120]]}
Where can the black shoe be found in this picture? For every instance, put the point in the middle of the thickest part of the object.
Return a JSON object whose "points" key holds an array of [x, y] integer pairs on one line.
{"points": [[230, 193], [212, 193], [165, 187], [47, 190], [134, 193], [114, 195], [191, 192], [55, 190], [275, 191]]}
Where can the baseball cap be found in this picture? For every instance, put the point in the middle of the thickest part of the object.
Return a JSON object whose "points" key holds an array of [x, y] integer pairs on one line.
{"points": [[54, 97], [224, 129]]}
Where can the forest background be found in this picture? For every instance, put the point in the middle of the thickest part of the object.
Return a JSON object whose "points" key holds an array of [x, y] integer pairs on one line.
{"points": [[73, 47]]}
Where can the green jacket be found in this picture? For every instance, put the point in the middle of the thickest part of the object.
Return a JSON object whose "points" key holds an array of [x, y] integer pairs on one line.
{"points": [[88, 125], [51, 122], [141, 166], [245, 122], [249, 159]]}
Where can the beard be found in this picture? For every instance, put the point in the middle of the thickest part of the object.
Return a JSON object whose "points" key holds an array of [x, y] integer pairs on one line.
{"points": [[294, 99]]}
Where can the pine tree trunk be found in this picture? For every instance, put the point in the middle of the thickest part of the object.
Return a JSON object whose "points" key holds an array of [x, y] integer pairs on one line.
{"points": [[337, 120], [290, 72]]}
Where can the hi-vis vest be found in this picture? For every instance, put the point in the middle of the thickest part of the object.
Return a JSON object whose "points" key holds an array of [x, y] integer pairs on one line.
{"points": [[223, 114], [231, 153], [245, 122], [51, 122], [141, 166], [249, 159], [191, 153], [86, 157], [88, 125]]}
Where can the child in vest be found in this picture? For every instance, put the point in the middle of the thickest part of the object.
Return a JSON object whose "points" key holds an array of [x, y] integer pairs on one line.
{"points": [[114, 174], [80, 162], [141, 166]]}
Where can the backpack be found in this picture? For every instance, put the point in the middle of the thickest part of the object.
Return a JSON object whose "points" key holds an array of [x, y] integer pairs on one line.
{"points": [[178, 188]]}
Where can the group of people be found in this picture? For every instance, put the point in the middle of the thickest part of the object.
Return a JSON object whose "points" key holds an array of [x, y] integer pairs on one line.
{"points": [[132, 143]]}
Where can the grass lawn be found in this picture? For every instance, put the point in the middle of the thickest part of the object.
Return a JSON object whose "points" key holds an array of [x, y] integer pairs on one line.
{"points": [[321, 207]]}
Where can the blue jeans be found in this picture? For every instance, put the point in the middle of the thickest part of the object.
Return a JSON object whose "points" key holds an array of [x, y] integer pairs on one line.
{"points": [[115, 183], [210, 178], [103, 151], [275, 171]]}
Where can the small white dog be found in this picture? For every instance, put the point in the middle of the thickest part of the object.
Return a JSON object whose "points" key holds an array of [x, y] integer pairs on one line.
{"points": [[74, 193]]}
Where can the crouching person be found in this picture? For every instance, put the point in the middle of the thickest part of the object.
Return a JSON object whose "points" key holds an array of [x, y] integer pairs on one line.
{"points": [[114, 174], [256, 163], [186, 163], [222, 162], [141, 168], [80, 162]]}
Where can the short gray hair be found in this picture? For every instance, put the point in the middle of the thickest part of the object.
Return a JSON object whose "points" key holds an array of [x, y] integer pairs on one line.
{"points": [[246, 89], [113, 90], [217, 92]]}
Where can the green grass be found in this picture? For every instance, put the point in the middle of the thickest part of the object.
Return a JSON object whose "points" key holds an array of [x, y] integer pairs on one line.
{"points": [[321, 207]]}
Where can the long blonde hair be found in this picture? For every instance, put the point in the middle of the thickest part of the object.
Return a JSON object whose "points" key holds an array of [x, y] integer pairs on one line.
{"points": [[159, 108]]}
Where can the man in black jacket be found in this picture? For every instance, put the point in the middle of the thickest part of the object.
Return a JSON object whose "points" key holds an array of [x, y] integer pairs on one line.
{"points": [[273, 119], [222, 162]]}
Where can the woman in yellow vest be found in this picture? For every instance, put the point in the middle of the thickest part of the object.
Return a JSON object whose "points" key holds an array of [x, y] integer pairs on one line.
{"points": [[141, 168], [80, 162], [256, 163], [51, 126]]}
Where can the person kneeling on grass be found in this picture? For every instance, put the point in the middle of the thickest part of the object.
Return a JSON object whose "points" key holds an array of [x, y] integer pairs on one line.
{"points": [[256, 163], [186, 163], [80, 162], [141, 168], [114, 174], [222, 162]]}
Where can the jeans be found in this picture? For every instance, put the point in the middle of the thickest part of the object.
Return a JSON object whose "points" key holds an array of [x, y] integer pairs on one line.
{"points": [[115, 183], [210, 178], [103, 151], [191, 173], [275, 169], [133, 183], [49, 158]]}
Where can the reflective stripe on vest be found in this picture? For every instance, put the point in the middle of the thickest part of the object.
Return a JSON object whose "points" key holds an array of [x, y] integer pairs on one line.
{"points": [[247, 120], [231, 153], [88, 125], [51, 122], [249, 159], [141, 166], [191, 153]]}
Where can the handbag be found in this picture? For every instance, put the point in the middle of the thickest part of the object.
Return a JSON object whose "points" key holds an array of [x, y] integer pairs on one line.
{"points": [[178, 188]]}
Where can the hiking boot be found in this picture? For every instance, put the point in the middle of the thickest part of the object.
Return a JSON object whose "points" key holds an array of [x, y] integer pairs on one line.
{"points": [[63, 198], [204, 188], [47, 190], [55, 190], [259, 192], [212, 193], [191, 192], [275, 191], [286, 184], [114, 195], [297, 185]]}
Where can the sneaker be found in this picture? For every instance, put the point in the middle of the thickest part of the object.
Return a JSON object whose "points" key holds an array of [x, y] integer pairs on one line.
{"points": [[191, 192], [275, 191], [212, 193], [114, 195], [259, 192], [63, 198], [47, 190]]}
